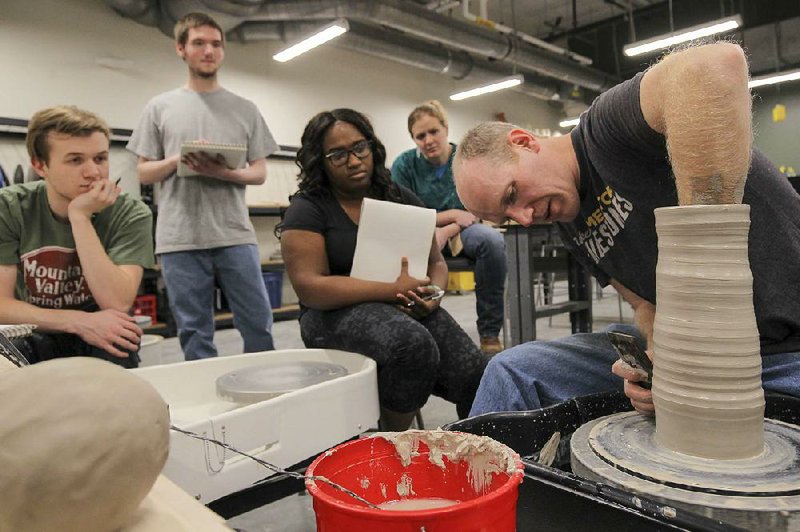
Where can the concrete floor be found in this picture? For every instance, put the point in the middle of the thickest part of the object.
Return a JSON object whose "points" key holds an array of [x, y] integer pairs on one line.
{"points": [[295, 513]]}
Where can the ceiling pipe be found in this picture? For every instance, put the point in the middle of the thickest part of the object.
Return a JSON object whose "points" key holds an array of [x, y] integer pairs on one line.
{"points": [[435, 27], [144, 12], [442, 5], [236, 8], [407, 18], [226, 13], [483, 20], [393, 47]]}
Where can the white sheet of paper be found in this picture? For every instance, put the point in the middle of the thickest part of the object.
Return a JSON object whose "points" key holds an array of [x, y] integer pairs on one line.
{"points": [[387, 232]]}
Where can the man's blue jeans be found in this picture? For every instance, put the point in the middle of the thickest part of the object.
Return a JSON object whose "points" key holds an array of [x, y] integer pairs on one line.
{"points": [[542, 373], [485, 246], [189, 276]]}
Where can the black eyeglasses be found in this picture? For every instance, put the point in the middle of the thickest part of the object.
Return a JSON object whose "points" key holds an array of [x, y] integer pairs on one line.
{"points": [[360, 149]]}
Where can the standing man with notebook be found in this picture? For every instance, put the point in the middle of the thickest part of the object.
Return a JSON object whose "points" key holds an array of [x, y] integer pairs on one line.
{"points": [[203, 229]]}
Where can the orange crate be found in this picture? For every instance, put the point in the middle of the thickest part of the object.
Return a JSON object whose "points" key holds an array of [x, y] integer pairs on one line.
{"points": [[145, 306]]}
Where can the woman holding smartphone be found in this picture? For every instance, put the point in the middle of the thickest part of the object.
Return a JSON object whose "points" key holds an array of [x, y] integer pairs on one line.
{"points": [[419, 348]]}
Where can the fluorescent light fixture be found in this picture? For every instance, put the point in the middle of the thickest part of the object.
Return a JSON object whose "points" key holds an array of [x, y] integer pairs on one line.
{"points": [[569, 122], [496, 85], [771, 79], [323, 35], [689, 34]]}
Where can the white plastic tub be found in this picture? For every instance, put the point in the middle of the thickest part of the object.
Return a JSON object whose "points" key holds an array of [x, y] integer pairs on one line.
{"points": [[283, 430]]}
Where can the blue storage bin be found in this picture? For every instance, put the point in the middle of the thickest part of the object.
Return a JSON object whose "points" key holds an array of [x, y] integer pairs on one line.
{"points": [[274, 283]]}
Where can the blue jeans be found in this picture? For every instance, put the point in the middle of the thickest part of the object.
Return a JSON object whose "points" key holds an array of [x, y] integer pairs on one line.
{"points": [[189, 276], [543, 373], [485, 246]]}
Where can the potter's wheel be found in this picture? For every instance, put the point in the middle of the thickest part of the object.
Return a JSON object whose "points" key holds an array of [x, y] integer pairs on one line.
{"points": [[259, 383], [762, 492]]}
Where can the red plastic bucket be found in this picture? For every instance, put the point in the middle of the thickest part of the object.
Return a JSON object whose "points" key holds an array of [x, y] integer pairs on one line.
{"points": [[372, 468]]}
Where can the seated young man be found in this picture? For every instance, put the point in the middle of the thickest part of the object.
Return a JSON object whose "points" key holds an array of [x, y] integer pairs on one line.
{"points": [[72, 247]]}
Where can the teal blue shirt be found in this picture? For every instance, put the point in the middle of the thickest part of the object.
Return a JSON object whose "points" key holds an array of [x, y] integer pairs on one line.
{"points": [[432, 184]]}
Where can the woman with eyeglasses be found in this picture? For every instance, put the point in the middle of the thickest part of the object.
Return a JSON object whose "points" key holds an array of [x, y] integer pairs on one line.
{"points": [[417, 345]]}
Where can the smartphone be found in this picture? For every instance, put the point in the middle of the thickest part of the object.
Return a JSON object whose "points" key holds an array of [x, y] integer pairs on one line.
{"points": [[630, 351], [432, 296]]}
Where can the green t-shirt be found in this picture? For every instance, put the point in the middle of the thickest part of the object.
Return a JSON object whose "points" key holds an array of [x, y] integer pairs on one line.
{"points": [[433, 185], [49, 273]]}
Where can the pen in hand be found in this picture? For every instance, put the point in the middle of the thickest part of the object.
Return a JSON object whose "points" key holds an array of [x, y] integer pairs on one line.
{"points": [[94, 215]]}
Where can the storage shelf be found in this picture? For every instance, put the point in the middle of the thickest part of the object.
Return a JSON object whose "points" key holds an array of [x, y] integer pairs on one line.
{"points": [[266, 210], [224, 320], [157, 328]]}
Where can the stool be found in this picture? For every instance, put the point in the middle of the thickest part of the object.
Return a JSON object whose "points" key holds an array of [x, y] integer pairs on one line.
{"points": [[460, 274], [460, 281]]}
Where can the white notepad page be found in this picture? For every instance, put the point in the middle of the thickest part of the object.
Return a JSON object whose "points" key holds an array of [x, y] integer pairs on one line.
{"points": [[387, 232]]}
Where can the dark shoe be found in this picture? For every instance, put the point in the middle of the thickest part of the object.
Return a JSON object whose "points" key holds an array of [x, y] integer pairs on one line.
{"points": [[491, 345]]}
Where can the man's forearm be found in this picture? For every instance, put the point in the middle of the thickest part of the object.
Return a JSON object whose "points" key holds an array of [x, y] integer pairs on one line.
{"points": [[151, 172], [13, 311], [643, 317], [644, 312], [111, 286], [254, 174], [707, 123]]}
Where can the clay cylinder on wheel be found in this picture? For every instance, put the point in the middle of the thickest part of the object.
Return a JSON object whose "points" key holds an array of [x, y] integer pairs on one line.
{"points": [[707, 362]]}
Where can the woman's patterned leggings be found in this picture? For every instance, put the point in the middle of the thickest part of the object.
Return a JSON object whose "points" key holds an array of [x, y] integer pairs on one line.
{"points": [[415, 358]]}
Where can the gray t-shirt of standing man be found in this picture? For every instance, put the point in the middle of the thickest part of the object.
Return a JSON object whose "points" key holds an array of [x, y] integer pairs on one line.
{"points": [[200, 212]]}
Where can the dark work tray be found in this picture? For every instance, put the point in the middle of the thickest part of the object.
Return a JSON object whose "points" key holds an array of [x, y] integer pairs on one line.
{"points": [[553, 499]]}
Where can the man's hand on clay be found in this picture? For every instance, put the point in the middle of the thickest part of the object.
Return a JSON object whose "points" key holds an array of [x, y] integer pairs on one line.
{"points": [[641, 398]]}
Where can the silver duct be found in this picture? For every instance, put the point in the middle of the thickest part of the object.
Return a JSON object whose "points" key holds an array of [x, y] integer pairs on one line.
{"points": [[142, 11], [393, 47], [409, 19], [435, 27]]}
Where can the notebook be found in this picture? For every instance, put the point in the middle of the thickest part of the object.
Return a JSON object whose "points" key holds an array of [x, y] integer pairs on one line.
{"points": [[235, 155]]}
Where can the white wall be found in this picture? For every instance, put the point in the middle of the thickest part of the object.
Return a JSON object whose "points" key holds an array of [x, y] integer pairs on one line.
{"points": [[51, 49]]}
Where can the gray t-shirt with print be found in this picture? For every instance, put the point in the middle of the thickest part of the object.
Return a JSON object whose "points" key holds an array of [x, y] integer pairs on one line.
{"points": [[625, 174], [200, 212]]}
